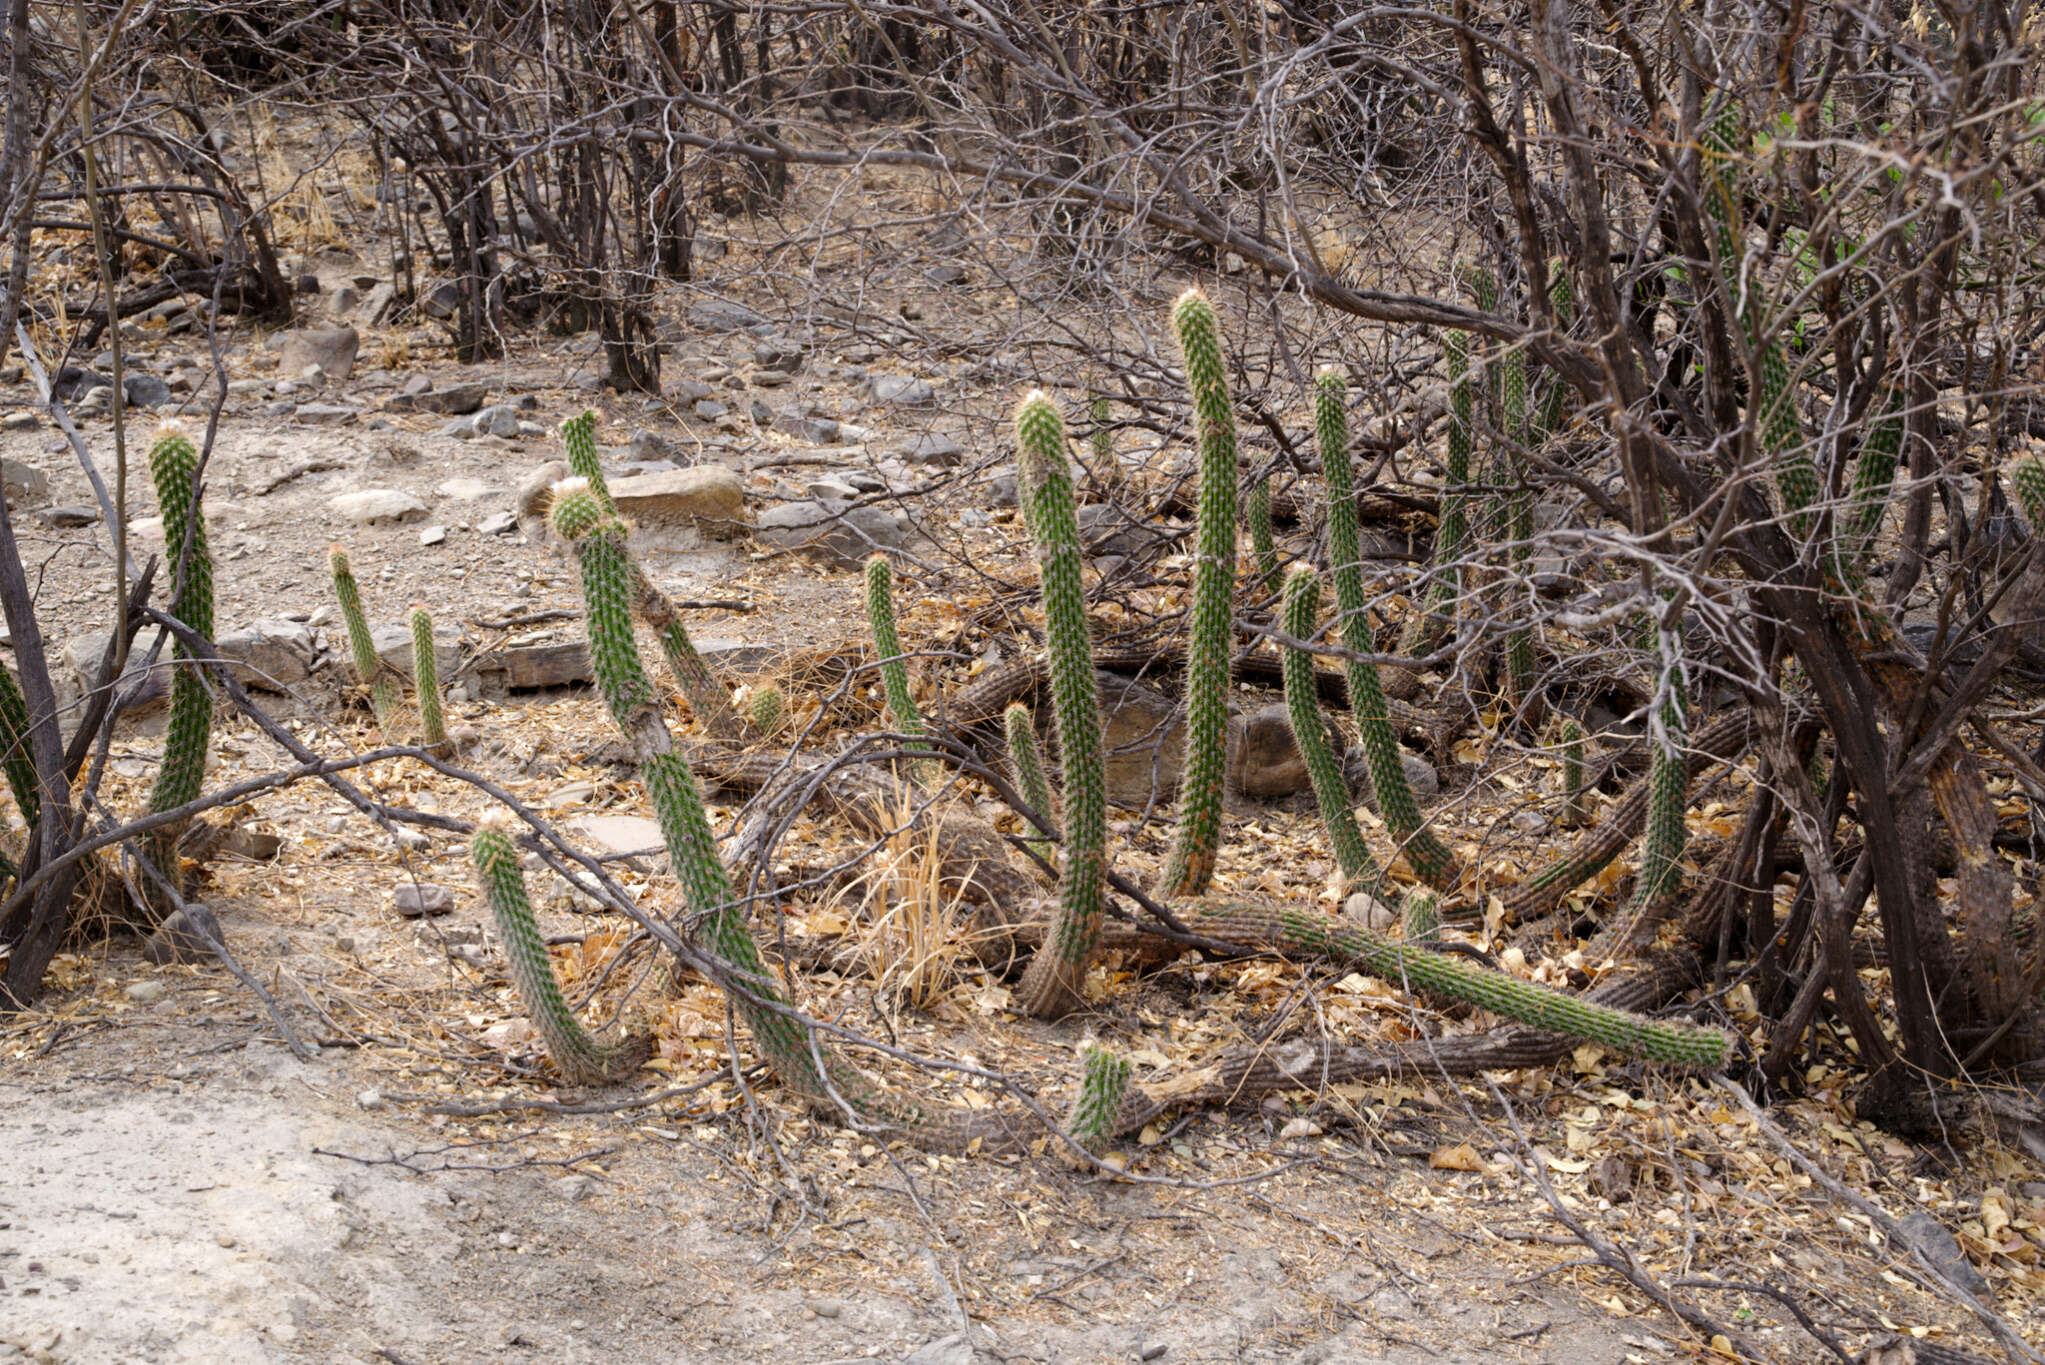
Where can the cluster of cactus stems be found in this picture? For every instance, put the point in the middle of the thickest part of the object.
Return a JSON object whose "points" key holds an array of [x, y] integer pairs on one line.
{"points": [[1104, 1080], [767, 709], [581, 1059], [174, 468], [894, 672], [1026, 764], [1310, 735], [1430, 859], [1054, 982], [384, 693], [1190, 865]]}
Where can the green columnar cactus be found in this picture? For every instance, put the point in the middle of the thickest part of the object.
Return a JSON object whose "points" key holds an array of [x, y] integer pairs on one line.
{"points": [[1055, 981], [578, 434], [1542, 1007], [581, 1059], [767, 709], [1420, 918], [1874, 474], [880, 618], [1026, 764], [607, 575], [1190, 865], [1102, 1085], [1258, 514], [1309, 732], [1576, 796], [20, 768], [426, 677], [1430, 858], [1427, 624], [383, 688], [1513, 519], [174, 466]]}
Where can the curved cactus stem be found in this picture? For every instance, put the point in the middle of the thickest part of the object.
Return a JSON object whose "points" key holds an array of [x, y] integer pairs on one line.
{"points": [[1197, 839], [894, 673], [174, 467], [1543, 1007], [1303, 709], [1026, 764], [1430, 858], [1258, 514], [384, 692], [1420, 917], [426, 678], [1055, 981], [767, 710], [707, 697], [581, 1059], [1103, 1083], [19, 767], [578, 434]]}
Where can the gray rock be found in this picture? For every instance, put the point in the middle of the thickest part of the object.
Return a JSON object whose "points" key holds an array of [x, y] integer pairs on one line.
{"points": [[343, 300], [830, 486], [433, 535], [72, 383], [722, 315], [1264, 759], [464, 489], [145, 390], [932, 448], [1106, 529], [761, 414], [500, 420], [449, 402], [648, 445], [1002, 490], [19, 421], [708, 498], [331, 348], [1144, 739], [441, 300], [370, 506], [1420, 776], [690, 390], [68, 514], [324, 414], [461, 428], [183, 936], [709, 409], [497, 524], [901, 390], [377, 302], [415, 900], [1924, 1234], [841, 535], [25, 485], [802, 426], [779, 352], [141, 688], [271, 656], [394, 646]]}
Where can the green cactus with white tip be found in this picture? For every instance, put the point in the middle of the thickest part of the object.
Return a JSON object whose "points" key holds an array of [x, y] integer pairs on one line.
{"points": [[1054, 983], [174, 467], [1104, 1081], [894, 673], [426, 678], [581, 1059], [578, 434], [384, 692], [1309, 731], [1430, 858], [1026, 764], [1197, 839]]}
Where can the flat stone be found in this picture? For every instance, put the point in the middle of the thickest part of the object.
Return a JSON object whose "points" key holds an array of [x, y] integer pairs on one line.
{"points": [[145, 390], [831, 486], [68, 514], [497, 524], [433, 535], [370, 506], [324, 414], [620, 833], [394, 646], [841, 534], [803, 427], [331, 348], [901, 390], [271, 656], [708, 498], [932, 448], [466, 489], [709, 409], [19, 421], [524, 667], [461, 429], [453, 401], [722, 315], [415, 900], [25, 485]]}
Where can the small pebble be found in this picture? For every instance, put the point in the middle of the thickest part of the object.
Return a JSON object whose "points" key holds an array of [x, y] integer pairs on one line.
{"points": [[369, 1099], [433, 535], [146, 991]]}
